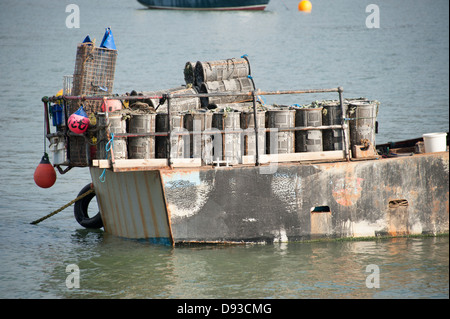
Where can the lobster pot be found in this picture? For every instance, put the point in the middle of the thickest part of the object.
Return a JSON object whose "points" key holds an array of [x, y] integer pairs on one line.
{"points": [[177, 105], [94, 70], [201, 144], [363, 116], [102, 137], [280, 142], [177, 142], [142, 147], [243, 85], [89, 106], [189, 72], [248, 125], [221, 70], [230, 151], [333, 140], [93, 75], [117, 125], [311, 140], [78, 150]]}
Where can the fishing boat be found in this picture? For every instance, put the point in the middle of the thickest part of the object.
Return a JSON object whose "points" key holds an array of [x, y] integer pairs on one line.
{"points": [[211, 162], [217, 5]]}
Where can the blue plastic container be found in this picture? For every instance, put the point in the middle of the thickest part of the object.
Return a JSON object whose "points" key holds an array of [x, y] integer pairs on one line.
{"points": [[57, 115]]}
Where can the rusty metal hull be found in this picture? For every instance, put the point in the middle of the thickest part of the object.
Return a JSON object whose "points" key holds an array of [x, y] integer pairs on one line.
{"points": [[132, 205], [289, 202]]}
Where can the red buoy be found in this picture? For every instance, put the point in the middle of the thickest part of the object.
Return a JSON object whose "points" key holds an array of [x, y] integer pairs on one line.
{"points": [[45, 175]]}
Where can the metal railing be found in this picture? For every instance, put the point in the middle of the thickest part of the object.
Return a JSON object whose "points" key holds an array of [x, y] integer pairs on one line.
{"points": [[253, 94]]}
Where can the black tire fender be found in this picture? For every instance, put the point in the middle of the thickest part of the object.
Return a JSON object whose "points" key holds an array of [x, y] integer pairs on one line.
{"points": [[81, 210]]}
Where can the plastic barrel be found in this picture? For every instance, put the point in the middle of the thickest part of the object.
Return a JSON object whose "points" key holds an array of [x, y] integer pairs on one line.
{"points": [[311, 140], [231, 142], [142, 146], [284, 140], [177, 149], [333, 140], [363, 115], [248, 125], [119, 144], [200, 141]]}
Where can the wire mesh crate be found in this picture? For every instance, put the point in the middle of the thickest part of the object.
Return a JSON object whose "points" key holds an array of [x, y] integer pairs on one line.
{"points": [[94, 70], [93, 76]]}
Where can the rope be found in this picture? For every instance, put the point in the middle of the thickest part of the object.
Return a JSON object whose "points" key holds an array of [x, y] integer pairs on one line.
{"points": [[108, 147], [63, 207]]}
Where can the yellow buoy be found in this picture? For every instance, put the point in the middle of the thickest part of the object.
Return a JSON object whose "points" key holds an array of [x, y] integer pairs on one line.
{"points": [[304, 6]]}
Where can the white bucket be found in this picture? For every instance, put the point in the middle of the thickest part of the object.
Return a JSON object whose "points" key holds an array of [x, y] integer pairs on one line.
{"points": [[435, 142]]}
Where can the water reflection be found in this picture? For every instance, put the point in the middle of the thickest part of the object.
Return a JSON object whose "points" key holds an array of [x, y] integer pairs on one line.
{"points": [[112, 267]]}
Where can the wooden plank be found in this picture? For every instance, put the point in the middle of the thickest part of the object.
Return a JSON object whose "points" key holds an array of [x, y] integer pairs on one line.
{"points": [[101, 163], [196, 162], [131, 163], [137, 163], [186, 162], [142, 163], [294, 157], [250, 159]]}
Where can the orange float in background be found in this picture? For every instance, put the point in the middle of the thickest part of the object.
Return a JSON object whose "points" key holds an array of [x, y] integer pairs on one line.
{"points": [[304, 6]]}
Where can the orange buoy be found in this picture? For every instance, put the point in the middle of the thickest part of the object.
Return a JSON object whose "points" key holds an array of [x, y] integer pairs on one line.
{"points": [[45, 175], [304, 6]]}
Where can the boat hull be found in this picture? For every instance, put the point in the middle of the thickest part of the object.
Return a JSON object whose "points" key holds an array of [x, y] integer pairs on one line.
{"points": [[288, 202], [216, 5]]}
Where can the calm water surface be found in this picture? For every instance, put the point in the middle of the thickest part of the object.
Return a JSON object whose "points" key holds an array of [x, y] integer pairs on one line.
{"points": [[404, 64]]}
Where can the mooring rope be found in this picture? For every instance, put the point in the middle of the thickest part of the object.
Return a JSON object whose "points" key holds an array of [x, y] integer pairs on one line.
{"points": [[63, 207]]}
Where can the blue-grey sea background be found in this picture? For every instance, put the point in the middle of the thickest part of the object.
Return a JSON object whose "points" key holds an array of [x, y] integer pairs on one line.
{"points": [[404, 64]]}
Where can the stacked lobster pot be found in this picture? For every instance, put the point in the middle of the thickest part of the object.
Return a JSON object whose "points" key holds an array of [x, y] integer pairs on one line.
{"points": [[230, 75], [280, 141], [199, 123], [93, 76], [190, 122], [310, 140], [178, 107], [359, 113], [231, 114]]}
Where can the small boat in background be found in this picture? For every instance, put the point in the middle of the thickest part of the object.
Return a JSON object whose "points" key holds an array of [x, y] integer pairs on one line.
{"points": [[216, 5]]}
